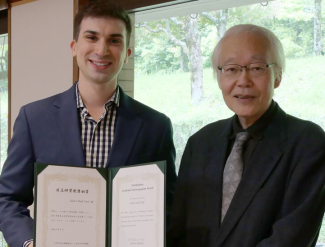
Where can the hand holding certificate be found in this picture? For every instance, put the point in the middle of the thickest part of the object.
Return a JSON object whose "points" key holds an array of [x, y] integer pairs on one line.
{"points": [[120, 207]]}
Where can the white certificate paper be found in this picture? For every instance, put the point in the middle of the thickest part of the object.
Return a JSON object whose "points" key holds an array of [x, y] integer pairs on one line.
{"points": [[71, 207], [138, 207]]}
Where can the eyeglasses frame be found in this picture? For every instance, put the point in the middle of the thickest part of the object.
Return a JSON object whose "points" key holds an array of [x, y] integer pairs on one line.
{"points": [[246, 66]]}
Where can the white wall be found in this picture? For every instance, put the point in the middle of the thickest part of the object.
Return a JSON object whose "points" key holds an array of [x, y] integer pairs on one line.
{"points": [[41, 60]]}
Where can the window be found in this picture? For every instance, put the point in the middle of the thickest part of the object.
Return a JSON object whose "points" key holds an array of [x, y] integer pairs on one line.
{"points": [[173, 71], [3, 92], [3, 97], [3, 106]]}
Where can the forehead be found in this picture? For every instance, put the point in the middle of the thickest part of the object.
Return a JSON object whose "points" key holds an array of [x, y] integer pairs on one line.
{"points": [[243, 48], [104, 26]]}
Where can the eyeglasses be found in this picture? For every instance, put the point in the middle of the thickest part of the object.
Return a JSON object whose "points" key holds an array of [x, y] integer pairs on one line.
{"points": [[254, 69]]}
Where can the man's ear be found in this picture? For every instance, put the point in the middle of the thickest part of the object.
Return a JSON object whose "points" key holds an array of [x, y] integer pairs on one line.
{"points": [[278, 79], [73, 47], [217, 76], [128, 53]]}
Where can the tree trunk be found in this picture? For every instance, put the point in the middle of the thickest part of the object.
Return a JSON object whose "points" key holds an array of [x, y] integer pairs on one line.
{"points": [[184, 61], [222, 24], [195, 56], [317, 28], [220, 20]]}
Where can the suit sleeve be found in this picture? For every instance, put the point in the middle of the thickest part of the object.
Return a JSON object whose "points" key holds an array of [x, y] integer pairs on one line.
{"points": [[175, 233], [167, 152], [16, 185], [304, 201]]}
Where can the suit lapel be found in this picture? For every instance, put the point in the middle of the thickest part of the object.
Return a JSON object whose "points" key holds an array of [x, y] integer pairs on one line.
{"points": [[128, 126], [66, 120], [261, 164]]}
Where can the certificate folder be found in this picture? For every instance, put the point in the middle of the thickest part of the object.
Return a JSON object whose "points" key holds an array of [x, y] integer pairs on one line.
{"points": [[100, 207]]}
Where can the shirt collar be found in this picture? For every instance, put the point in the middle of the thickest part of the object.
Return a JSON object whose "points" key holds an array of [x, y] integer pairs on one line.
{"points": [[256, 130], [115, 98]]}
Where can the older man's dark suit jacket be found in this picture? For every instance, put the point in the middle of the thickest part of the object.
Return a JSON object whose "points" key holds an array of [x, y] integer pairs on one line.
{"points": [[48, 131], [280, 199]]}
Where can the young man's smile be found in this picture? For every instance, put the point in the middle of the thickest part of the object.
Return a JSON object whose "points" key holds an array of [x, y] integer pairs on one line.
{"points": [[100, 64]]}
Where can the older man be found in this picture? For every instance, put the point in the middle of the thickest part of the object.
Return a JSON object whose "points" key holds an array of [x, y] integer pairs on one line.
{"points": [[256, 179]]}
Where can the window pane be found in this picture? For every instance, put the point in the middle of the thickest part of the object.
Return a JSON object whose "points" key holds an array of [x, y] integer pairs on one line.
{"points": [[3, 106]]}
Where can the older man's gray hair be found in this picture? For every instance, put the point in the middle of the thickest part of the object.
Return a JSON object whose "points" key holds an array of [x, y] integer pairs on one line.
{"points": [[275, 46]]}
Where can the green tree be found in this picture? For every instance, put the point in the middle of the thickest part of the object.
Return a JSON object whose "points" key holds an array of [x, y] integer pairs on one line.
{"points": [[188, 26], [220, 19]]}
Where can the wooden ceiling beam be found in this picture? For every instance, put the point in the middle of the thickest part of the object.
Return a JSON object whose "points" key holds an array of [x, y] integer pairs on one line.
{"points": [[141, 5], [14, 1], [3, 4], [129, 5]]}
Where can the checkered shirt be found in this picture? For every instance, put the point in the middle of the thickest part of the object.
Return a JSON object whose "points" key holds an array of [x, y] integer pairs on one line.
{"points": [[97, 137]]}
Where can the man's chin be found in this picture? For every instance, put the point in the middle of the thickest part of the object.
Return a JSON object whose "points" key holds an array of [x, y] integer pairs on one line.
{"points": [[101, 81], [242, 111]]}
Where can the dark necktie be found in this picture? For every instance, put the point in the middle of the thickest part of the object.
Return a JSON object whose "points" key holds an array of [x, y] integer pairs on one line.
{"points": [[232, 172]]}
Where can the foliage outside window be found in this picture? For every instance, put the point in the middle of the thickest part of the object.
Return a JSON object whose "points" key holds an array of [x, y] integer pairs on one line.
{"points": [[3, 97], [173, 71]]}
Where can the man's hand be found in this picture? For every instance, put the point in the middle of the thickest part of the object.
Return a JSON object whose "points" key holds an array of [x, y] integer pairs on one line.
{"points": [[30, 245]]}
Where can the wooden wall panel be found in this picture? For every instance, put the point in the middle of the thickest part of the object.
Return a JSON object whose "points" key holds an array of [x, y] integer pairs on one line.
{"points": [[75, 73], [126, 76]]}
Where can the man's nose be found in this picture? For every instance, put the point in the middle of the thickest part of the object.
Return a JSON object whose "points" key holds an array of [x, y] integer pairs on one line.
{"points": [[102, 49], [244, 79]]}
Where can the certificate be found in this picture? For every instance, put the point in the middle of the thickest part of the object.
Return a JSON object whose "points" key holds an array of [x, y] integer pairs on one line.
{"points": [[90, 207], [138, 207]]}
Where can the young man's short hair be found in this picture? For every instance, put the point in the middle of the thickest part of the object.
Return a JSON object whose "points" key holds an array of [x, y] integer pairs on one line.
{"points": [[102, 9]]}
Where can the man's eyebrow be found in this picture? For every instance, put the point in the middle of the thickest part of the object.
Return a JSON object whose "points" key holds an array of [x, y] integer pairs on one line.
{"points": [[229, 59], [91, 32], [116, 35]]}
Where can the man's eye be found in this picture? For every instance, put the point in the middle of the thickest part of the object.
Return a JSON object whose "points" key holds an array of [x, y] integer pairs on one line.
{"points": [[231, 69], [115, 41], [257, 69], [91, 37]]}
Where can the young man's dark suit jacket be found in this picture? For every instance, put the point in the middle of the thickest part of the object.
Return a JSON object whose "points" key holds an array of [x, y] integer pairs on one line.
{"points": [[280, 199], [48, 131]]}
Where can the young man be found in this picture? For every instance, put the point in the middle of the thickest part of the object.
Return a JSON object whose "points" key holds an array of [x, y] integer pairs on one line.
{"points": [[92, 124], [256, 179]]}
